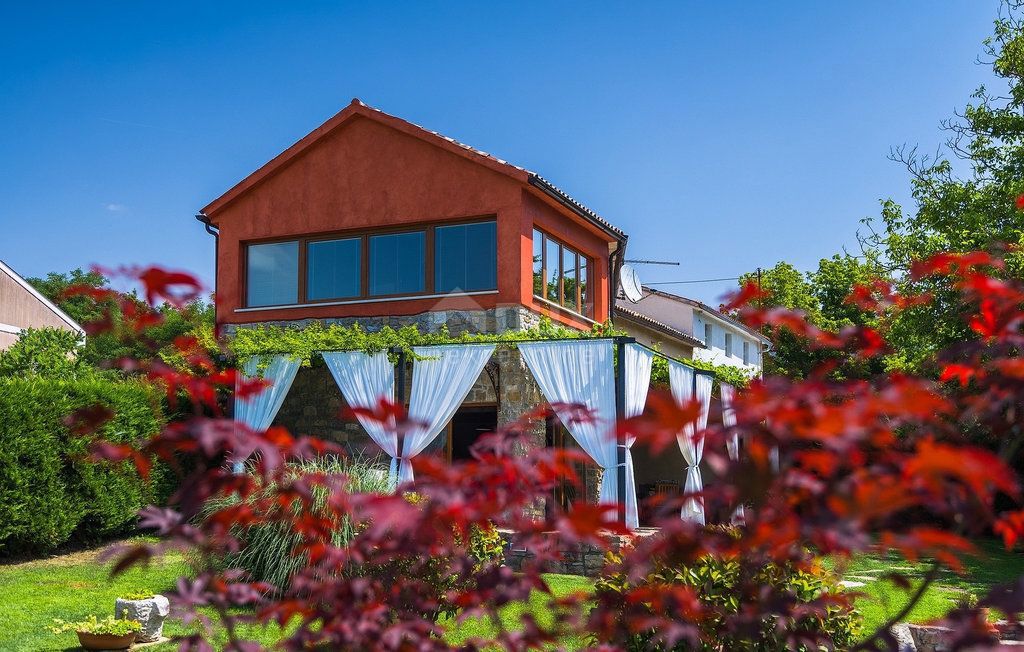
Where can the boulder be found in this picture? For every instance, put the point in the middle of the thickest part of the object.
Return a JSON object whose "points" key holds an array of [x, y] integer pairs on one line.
{"points": [[150, 613]]}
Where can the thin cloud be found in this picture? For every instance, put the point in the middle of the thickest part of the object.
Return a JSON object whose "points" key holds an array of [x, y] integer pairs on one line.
{"points": [[115, 208]]}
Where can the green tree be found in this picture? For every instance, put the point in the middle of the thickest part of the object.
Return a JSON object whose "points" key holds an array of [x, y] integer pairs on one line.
{"points": [[196, 318], [963, 200], [821, 295]]}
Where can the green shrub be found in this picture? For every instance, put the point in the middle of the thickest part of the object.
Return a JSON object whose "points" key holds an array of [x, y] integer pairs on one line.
{"points": [[266, 552], [49, 490], [717, 583], [45, 352], [266, 548], [92, 625]]}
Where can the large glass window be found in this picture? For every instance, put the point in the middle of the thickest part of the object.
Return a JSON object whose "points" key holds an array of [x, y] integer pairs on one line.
{"points": [[538, 263], [333, 269], [397, 263], [353, 267], [272, 277], [561, 274], [466, 257]]}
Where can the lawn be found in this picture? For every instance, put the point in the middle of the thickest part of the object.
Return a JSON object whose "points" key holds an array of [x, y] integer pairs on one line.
{"points": [[72, 586], [883, 599]]}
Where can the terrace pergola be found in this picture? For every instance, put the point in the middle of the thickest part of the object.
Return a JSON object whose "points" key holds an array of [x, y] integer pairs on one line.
{"points": [[609, 377]]}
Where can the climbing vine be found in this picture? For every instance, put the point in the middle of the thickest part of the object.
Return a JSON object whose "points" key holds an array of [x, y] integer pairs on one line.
{"points": [[306, 342]]}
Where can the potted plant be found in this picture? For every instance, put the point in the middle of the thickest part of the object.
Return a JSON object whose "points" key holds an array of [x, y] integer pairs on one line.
{"points": [[107, 634], [146, 607]]}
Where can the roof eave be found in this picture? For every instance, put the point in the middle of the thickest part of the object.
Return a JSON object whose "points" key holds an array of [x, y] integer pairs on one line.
{"points": [[568, 202]]}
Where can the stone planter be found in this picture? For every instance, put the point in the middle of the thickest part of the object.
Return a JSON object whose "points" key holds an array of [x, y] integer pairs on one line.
{"points": [[150, 613], [105, 641]]}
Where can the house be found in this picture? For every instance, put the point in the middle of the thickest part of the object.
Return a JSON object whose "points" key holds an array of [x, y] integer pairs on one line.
{"points": [[371, 219], [22, 307], [687, 328]]}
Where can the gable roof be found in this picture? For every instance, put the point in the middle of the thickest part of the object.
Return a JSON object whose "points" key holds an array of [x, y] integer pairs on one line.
{"points": [[358, 108], [703, 307], [28, 287], [650, 322]]}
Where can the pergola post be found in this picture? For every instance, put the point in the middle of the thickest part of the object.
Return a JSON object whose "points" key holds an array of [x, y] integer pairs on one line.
{"points": [[400, 399], [620, 414]]}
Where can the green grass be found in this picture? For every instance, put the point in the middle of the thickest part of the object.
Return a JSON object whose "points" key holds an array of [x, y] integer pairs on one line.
{"points": [[882, 599], [71, 587], [74, 585]]}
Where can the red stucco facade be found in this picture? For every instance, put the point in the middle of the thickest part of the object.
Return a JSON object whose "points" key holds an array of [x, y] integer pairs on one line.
{"points": [[365, 170]]}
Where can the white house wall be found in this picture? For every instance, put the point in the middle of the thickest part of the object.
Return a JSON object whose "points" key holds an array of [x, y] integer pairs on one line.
{"points": [[668, 311], [715, 353]]}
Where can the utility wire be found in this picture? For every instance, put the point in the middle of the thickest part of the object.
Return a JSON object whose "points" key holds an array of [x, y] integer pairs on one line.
{"points": [[702, 280]]}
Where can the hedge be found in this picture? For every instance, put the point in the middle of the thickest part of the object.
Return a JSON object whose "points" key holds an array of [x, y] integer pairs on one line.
{"points": [[50, 492]]}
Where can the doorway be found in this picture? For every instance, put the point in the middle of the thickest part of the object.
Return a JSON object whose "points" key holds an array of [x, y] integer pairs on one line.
{"points": [[468, 424]]}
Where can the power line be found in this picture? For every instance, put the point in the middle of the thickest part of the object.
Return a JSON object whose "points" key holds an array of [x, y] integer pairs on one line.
{"points": [[702, 280]]}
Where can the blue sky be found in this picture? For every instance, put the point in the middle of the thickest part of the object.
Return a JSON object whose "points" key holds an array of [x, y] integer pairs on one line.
{"points": [[722, 135]]}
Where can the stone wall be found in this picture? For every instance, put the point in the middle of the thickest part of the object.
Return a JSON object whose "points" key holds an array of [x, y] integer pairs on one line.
{"points": [[578, 559], [492, 320]]}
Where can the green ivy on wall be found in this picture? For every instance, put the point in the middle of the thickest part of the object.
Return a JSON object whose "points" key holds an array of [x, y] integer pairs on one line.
{"points": [[306, 342]]}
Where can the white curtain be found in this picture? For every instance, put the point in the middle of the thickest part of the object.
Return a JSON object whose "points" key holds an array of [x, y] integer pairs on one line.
{"points": [[687, 385], [441, 378], [257, 411], [637, 366], [364, 380], [733, 443], [581, 373]]}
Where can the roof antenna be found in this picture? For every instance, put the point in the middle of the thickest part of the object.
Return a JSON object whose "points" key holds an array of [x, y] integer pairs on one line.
{"points": [[640, 261]]}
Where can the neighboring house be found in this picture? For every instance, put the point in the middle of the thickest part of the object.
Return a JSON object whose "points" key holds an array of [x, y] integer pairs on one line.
{"points": [[22, 306], [682, 327], [375, 220]]}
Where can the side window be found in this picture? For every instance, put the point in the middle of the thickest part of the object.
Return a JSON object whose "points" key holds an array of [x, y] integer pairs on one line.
{"points": [[746, 352], [707, 335], [728, 344], [561, 274]]}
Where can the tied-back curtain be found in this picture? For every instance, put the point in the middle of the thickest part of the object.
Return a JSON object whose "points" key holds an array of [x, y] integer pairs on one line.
{"points": [[441, 378], [688, 385], [733, 443], [581, 373], [364, 380], [637, 366], [257, 411]]}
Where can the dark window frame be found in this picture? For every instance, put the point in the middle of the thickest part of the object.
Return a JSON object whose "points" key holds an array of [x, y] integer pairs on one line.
{"points": [[427, 228], [584, 309]]}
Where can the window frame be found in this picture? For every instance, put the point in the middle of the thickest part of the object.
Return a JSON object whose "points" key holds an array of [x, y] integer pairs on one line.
{"points": [[746, 352], [727, 345], [363, 235], [582, 308]]}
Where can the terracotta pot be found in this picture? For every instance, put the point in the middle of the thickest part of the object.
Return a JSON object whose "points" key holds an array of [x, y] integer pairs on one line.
{"points": [[105, 641]]}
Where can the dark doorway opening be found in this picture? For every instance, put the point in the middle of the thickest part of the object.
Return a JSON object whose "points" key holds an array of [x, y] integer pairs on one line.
{"points": [[468, 424]]}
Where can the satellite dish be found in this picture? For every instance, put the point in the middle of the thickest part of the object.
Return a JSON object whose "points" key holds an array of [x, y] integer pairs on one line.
{"points": [[629, 281]]}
